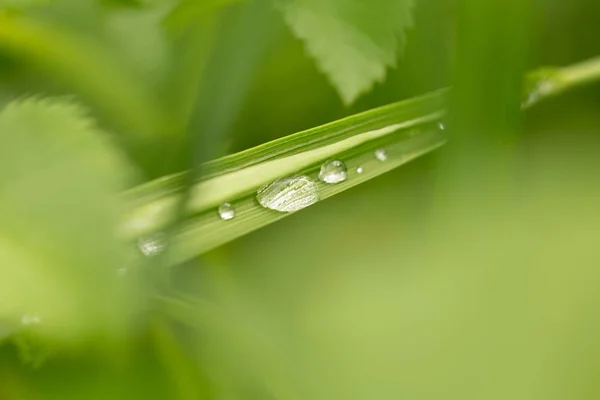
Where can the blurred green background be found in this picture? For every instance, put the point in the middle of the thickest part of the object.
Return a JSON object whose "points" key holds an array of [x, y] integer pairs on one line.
{"points": [[470, 273]]}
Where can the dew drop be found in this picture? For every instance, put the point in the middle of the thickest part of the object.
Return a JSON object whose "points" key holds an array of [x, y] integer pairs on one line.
{"points": [[333, 172], [360, 170], [288, 194], [441, 126], [542, 88], [381, 154], [226, 211], [30, 319], [152, 245]]}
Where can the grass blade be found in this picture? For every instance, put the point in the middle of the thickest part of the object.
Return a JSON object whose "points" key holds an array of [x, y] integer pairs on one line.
{"points": [[406, 130]]}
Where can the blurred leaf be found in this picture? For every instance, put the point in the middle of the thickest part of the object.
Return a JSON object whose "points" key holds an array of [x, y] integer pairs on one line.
{"points": [[191, 10], [352, 41], [87, 67], [140, 38], [22, 3], [58, 206], [237, 53]]}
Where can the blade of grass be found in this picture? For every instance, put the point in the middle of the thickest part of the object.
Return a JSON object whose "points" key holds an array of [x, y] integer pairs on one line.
{"points": [[239, 175], [406, 130]]}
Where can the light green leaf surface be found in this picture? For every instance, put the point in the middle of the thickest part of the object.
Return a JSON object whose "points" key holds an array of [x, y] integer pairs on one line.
{"points": [[352, 41], [59, 179]]}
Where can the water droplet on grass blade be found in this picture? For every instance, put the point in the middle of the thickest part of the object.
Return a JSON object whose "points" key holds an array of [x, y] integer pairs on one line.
{"points": [[381, 154], [544, 85], [152, 245], [360, 170], [333, 172], [288, 194], [226, 211], [441, 126], [30, 319]]}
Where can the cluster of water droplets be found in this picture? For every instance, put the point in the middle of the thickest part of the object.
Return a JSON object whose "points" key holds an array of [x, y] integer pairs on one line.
{"points": [[300, 191]]}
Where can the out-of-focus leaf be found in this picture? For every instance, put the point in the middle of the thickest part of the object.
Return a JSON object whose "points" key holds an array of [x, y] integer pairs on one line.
{"points": [[352, 41], [86, 66], [59, 179], [139, 36], [189, 11], [22, 3]]}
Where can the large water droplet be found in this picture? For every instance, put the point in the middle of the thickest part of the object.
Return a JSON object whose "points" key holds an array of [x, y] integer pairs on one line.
{"points": [[226, 211], [288, 194], [381, 154], [152, 245], [333, 172]]}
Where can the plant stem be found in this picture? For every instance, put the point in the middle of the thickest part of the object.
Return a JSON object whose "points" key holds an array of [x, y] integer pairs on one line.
{"points": [[580, 74], [549, 82]]}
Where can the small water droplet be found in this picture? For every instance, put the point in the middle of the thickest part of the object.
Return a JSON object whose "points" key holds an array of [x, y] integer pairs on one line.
{"points": [[226, 211], [441, 126], [360, 170], [288, 194], [31, 319], [152, 245], [542, 88], [381, 154], [333, 172]]}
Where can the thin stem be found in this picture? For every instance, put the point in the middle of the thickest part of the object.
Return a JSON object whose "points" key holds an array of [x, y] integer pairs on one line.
{"points": [[550, 82], [580, 74]]}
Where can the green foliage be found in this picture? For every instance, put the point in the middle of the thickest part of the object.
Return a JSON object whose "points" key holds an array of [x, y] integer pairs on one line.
{"points": [[352, 42], [60, 177], [22, 3], [88, 67], [468, 273]]}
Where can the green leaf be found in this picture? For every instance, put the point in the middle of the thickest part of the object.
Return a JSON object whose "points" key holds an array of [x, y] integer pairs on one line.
{"points": [[60, 179], [352, 41]]}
